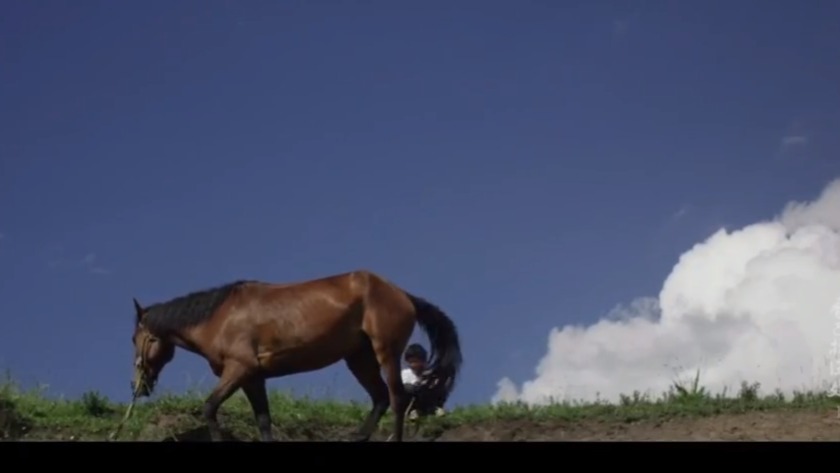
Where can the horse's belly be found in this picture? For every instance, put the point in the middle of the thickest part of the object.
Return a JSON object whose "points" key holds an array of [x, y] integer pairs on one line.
{"points": [[295, 343], [279, 360]]}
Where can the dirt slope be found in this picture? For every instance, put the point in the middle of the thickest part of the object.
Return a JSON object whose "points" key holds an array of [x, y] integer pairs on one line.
{"points": [[771, 425], [776, 425]]}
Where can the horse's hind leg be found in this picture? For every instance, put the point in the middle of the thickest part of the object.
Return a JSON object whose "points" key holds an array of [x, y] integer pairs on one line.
{"points": [[390, 361], [365, 367], [254, 390]]}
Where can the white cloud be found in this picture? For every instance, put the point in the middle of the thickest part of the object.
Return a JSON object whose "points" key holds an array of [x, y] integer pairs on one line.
{"points": [[750, 305], [792, 140], [88, 262], [681, 212]]}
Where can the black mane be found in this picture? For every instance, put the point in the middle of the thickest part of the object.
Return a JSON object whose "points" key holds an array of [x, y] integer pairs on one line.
{"points": [[187, 310]]}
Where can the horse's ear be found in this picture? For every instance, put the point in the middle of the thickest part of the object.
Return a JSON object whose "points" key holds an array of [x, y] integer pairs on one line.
{"points": [[138, 309]]}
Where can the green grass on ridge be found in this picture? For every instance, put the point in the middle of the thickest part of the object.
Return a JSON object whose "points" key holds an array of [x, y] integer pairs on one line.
{"points": [[31, 415]]}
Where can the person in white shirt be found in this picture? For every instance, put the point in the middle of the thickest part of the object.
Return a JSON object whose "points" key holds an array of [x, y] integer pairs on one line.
{"points": [[420, 385]]}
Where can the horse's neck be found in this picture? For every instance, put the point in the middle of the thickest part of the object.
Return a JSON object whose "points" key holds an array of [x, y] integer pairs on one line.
{"points": [[182, 339]]}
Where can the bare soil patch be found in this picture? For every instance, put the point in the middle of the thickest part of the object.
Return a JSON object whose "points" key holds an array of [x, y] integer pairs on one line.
{"points": [[775, 425], [770, 425]]}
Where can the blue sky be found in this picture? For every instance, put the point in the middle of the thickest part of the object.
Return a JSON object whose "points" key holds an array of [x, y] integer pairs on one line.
{"points": [[523, 165]]}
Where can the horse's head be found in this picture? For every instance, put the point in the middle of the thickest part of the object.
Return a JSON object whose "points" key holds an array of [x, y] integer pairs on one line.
{"points": [[151, 354]]}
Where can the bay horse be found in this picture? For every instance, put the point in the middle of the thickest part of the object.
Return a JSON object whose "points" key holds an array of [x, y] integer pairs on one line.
{"points": [[249, 331]]}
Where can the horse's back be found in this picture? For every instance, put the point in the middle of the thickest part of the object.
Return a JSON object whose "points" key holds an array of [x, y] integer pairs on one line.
{"points": [[361, 297], [306, 325], [340, 288]]}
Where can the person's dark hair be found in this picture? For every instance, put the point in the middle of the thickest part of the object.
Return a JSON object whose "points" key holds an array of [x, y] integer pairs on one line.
{"points": [[415, 351]]}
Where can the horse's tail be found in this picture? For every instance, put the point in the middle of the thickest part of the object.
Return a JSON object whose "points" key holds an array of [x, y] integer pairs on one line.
{"points": [[445, 357]]}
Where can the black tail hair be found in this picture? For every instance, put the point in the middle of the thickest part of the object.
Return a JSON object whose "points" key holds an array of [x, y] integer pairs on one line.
{"points": [[445, 358]]}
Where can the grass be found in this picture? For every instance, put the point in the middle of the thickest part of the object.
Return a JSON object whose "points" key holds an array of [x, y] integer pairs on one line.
{"points": [[32, 415]]}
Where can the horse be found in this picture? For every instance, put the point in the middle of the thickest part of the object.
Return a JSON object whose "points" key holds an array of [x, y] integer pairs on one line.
{"points": [[249, 331]]}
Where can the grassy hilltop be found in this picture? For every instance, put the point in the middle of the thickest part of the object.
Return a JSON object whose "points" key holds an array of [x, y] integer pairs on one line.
{"points": [[685, 412]]}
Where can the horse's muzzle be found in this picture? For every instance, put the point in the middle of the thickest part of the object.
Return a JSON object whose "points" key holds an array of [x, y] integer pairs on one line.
{"points": [[142, 385], [142, 391]]}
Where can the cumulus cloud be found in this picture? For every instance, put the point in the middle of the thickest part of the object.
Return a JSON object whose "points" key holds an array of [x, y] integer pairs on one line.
{"points": [[756, 305]]}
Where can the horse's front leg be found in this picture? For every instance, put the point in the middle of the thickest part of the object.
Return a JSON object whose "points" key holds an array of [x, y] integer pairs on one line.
{"points": [[233, 375]]}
